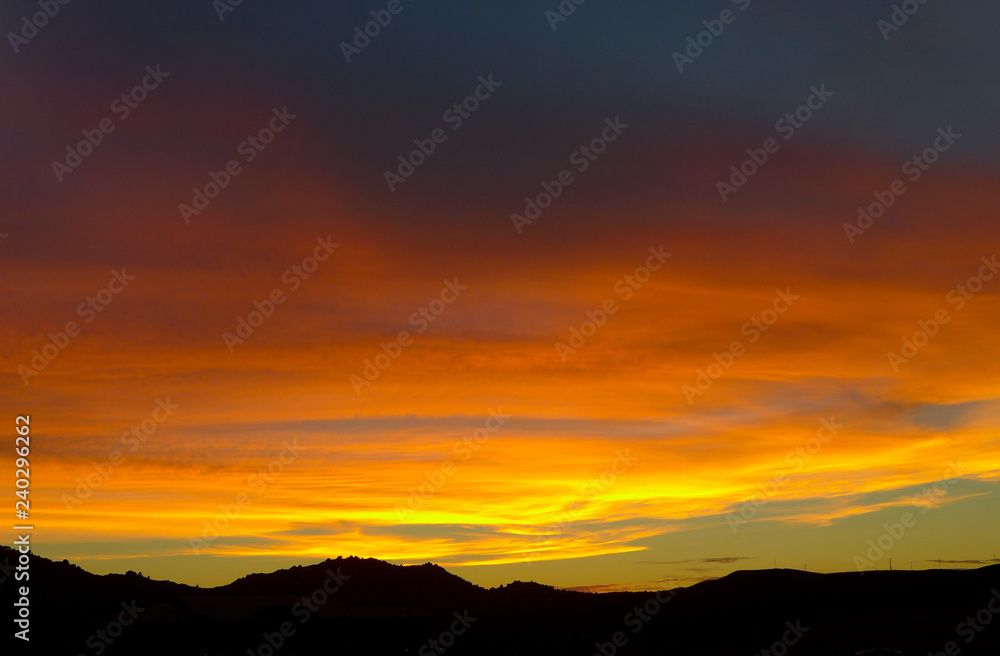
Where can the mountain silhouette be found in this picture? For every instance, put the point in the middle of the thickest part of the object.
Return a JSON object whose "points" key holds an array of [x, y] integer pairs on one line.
{"points": [[370, 607]]}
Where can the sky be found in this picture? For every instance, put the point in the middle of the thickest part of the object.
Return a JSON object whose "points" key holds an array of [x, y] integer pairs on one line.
{"points": [[616, 321]]}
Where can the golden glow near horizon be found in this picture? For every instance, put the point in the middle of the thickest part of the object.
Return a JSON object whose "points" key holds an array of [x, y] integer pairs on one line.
{"points": [[480, 445]]}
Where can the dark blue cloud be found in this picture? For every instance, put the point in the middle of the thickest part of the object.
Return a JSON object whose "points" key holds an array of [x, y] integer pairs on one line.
{"points": [[606, 59]]}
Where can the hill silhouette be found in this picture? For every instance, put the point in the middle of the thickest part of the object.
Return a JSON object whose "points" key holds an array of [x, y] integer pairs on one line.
{"points": [[367, 606]]}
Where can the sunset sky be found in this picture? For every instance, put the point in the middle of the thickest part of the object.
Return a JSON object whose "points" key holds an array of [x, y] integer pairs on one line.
{"points": [[618, 462]]}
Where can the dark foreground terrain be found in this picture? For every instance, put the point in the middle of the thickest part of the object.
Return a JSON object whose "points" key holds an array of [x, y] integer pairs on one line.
{"points": [[369, 607]]}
